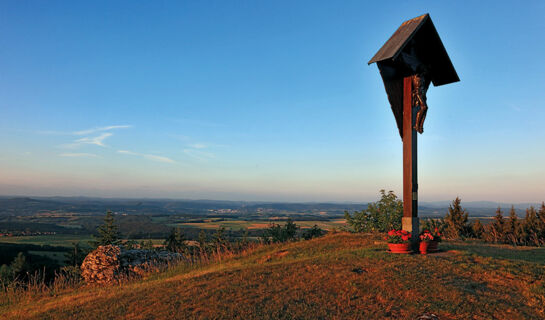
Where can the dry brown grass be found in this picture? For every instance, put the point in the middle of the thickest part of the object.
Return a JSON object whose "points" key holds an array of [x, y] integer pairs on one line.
{"points": [[315, 280]]}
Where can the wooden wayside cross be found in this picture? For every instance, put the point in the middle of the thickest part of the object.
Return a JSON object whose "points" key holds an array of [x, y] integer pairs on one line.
{"points": [[408, 62]]}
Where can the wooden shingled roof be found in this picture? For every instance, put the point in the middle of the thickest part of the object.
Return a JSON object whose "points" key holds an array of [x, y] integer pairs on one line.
{"points": [[422, 33]]}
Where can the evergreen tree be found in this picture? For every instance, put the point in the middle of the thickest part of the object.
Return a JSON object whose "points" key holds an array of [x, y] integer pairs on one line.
{"points": [[512, 228], [530, 228], [175, 242], [495, 231], [456, 221], [18, 265], [108, 233], [220, 241], [478, 229], [541, 224]]}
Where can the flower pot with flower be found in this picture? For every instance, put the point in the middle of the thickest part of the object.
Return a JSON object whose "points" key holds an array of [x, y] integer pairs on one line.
{"points": [[429, 241], [399, 241]]}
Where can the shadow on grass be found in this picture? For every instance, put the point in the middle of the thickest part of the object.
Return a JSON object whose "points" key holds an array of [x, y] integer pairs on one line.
{"points": [[528, 254]]}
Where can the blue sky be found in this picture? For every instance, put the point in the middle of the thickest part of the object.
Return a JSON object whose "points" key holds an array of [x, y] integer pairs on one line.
{"points": [[263, 100]]}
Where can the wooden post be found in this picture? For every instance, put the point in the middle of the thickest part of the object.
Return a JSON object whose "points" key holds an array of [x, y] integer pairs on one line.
{"points": [[410, 178]]}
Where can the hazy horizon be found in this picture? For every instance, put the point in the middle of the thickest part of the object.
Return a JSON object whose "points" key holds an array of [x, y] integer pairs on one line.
{"points": [[443, 202], [263, 101]]}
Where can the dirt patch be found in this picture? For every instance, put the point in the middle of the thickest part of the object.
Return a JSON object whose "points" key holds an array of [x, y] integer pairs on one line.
{"points": [[258, 226]]}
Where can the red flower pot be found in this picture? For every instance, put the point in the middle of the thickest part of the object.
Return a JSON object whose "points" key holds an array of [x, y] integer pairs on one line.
{"points": [[399, 247], [428, 246]]}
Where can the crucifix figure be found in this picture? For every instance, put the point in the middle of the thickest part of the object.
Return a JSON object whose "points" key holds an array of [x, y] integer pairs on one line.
{"points": [[420, 86], [408, 62]]}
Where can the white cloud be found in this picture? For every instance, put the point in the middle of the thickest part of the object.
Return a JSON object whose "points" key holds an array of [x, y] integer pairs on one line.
{"points": [[83, 155], [127, 152], [98, 129], [98, 140], [158, 158], [152, 157]]}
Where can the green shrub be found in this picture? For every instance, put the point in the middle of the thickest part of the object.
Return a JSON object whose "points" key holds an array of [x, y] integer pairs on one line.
{"points": [[276, 233], [382, 216], [175, 242], [313, 232]]}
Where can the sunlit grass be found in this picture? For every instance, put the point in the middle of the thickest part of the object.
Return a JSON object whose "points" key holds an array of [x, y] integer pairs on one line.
{"points": [[316, 280]]}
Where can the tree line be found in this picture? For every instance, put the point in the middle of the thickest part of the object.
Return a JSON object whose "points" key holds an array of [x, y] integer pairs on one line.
{"points": [[386, 214]]}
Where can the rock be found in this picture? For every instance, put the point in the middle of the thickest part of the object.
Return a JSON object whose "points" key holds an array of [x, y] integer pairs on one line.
{"points": [[112, 263], [428, 316]]}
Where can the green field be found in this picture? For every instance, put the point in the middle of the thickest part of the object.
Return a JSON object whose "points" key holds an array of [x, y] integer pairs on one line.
{"points": [[62, 240], [259, 224]]}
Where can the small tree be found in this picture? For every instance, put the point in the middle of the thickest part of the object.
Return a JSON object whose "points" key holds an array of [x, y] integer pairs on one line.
{"points": [[541, 223], [278, 233], [18, 265], [175, 242], [6, 275], [530, 228], [290, 230], [220, 240], [108, 232], [495, 230], [381, 216], [456, 220], [313, 232], [477, 229], [511, 229]]}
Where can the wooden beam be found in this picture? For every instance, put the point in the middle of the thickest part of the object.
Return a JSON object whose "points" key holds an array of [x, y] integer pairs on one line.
{"points": [[410, 176], [410, 182]]}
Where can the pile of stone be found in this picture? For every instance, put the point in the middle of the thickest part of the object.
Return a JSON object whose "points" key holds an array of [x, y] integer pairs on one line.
{"points": [[112, 263]]}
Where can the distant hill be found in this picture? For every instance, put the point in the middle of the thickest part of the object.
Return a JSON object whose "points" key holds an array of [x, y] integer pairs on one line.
{"points": [[32, 205]]}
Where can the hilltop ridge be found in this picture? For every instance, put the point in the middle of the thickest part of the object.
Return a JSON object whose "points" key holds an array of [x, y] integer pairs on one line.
{"points": [[339, 276]]}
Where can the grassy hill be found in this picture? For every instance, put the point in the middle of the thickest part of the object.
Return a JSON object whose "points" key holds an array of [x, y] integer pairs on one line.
{"points": [[340, 276]]}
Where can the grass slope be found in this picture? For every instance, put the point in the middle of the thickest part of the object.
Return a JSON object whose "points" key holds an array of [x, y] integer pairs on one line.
{"points": [[315, 280]]}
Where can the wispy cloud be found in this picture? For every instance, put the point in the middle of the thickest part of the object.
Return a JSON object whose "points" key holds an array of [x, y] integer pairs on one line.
{"points": [[80, 155], [100, 129], [83, 132], [127, 152], [98, 140], [152, 157]]}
